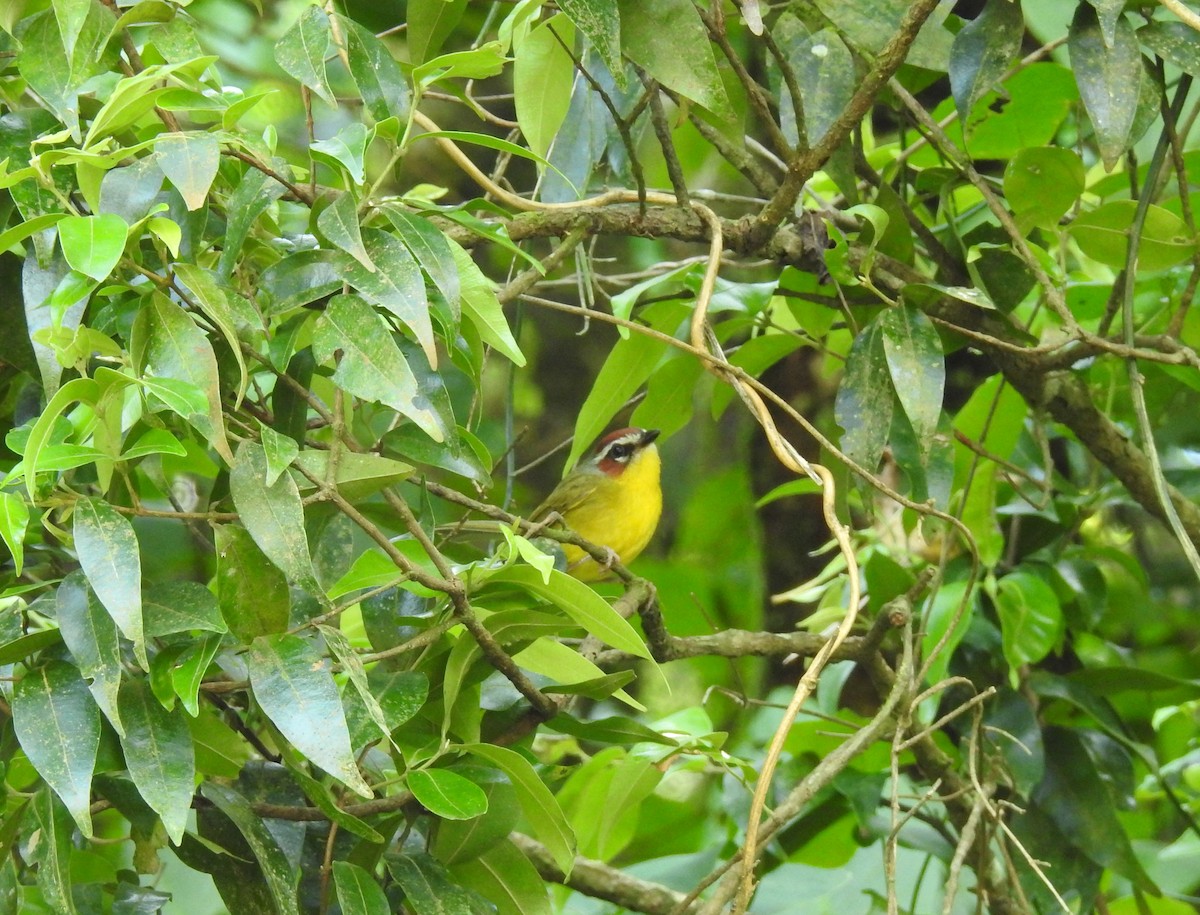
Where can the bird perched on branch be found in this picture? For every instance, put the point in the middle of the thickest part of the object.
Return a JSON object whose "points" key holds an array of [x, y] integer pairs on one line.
{"points": [[612, 499]]}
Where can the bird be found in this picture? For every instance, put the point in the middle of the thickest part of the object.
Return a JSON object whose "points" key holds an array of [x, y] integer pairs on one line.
{"points": [[612, 499]]}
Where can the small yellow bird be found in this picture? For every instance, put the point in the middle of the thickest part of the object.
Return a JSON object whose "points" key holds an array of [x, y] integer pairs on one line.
{"points": [[613, 499]]}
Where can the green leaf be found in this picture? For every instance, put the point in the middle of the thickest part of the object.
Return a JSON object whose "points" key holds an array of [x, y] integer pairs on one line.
{"points": [[91, 635], [339, 222], [542, 75], [579, 602], [273, 515], [447, 794], [14, 521], [58, 726], [294, 685], [158, 752], [537, 803], [433, 251], [940, 614], [505, 877], [613, 730], [93, 244], [913, 351], [669, 40], [379, 78], [483, 309], [341, 649], [396, 285], [180, 606], [169, 346], [600, 22], [1109, 80], [1174, 42], [429, 24], [358, 475], [346, 149], [190, 668], [482, 62], [358, 892], [1031, 619], [52, 853], [108, 551], [428, 889], [254, 193], [825, 73], [280, 876], [189, 161], [371, 365], [1075, 797], [1103, 234], [303, 50], [226, 309], [1042, 184], [281, 450], [982, 52], [251, 591], [865, 398], [26, 646]]}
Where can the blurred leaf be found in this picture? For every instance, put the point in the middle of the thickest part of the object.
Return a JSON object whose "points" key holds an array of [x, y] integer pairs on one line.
{"points": [[1030, 618], [429, 24], [670, 396], [1042, 184], [158, 752], [14, 521], [1103, 234], [273, 515], [294, 685], [1074, 796], [1174, 42], [504, 876], [614, 730]]}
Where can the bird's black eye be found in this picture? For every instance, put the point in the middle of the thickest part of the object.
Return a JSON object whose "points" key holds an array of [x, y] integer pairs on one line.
{"points": [[620, 451]]}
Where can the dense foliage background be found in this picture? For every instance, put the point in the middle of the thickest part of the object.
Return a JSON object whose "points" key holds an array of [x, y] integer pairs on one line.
{"points": [[291, 289]]}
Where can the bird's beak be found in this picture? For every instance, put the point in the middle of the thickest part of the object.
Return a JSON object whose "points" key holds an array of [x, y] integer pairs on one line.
{"points": [[649, 436]]}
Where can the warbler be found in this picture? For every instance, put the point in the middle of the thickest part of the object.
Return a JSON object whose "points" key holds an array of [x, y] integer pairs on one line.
{"points": [[612, 499]]}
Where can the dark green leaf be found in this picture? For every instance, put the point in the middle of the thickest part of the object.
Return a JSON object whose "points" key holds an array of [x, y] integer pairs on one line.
{"points": [[600, 22], [294, 685], [279, 874], [303, 50], [52, 853], [108, 552], [428, 889], [273, 515], [58, 725], [251, 591], [1109, 79], [254, 193], [339, 222], [395, 285], [865, 398], [914, 358], [357, 891], [380, 80], [982, 52], [158, 752], [371, 365], [432, 250], [505, 877], [180, 606], [91, 635]]}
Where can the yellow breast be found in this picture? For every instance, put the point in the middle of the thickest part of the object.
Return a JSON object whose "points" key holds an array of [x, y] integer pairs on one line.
{"points": [[620, 514]]}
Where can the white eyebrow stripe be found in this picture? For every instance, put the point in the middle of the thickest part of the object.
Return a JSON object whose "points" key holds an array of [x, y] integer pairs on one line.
{"points": [[633, 438]]}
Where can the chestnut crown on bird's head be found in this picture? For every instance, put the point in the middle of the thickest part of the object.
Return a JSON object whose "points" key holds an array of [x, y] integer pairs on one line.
{"points": [[617, 450]]}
